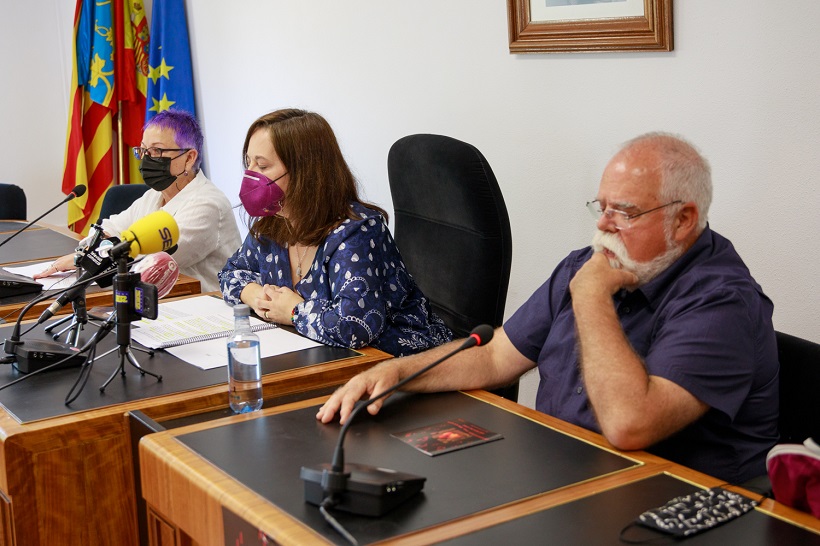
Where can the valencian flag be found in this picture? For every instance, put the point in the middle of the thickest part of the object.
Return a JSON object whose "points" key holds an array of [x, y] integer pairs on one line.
{"points": [[109, 41], [170, 77]]}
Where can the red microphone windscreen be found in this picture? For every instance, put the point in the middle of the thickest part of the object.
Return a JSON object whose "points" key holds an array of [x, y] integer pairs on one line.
{"points": [[482, 333], [159, 269]]}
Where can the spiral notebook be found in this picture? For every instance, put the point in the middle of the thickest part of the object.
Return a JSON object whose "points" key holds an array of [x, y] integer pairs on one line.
{"points": [[189, 320]]}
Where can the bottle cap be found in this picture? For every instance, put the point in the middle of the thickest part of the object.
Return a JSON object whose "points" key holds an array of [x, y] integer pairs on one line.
{"points": [[241, 310]]}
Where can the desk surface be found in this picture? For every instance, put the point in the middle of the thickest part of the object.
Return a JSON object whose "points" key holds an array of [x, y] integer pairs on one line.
{"points": [[520, 465], [542, 463], [37, 244], [615, 508], [52, 387], [8, 227]]}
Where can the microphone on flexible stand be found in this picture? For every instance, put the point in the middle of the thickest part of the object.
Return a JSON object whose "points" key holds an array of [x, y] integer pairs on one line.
{"points": [[93, 264], [77, 191], [153, 233], [367, 490]]}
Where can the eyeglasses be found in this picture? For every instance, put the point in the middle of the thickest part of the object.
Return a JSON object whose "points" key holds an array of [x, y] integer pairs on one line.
{"points": [[621, 219], [140, 152]]}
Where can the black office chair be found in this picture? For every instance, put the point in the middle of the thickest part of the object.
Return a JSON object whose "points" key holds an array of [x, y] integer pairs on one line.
{"points": [[12, 202], [799, 389], [119, 198], [452, 229]]}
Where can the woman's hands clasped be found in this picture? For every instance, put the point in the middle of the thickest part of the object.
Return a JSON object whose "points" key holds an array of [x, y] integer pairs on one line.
{"points": [[275, 303]]}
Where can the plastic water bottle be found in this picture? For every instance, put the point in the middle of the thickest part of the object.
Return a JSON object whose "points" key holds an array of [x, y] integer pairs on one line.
{"points": [[244, 364]]}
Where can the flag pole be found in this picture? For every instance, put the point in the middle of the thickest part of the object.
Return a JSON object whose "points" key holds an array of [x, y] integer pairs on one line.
{"points": [[120, 172]]}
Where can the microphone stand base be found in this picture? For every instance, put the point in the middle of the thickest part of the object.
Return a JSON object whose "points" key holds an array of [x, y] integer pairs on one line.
{"points": [[370, 491], [126, 354], [36, 354]]}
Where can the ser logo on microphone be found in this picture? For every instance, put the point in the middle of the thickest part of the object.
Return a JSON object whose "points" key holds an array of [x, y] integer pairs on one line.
{"points": [[167, 238]]}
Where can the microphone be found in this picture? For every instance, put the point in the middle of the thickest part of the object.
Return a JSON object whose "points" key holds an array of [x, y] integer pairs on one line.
{"points": [[159, 269], [93, 263], [366, 490], [150, 234], [77, 191]]}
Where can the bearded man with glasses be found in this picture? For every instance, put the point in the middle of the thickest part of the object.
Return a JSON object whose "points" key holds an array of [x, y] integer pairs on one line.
{"points": [[656, 335]]}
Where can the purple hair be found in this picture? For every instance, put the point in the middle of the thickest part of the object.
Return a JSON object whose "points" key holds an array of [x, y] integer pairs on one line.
{"points": [[187, 133]]}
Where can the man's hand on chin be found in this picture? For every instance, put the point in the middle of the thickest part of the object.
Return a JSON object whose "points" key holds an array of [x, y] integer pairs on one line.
{"points": [[597, 279]]}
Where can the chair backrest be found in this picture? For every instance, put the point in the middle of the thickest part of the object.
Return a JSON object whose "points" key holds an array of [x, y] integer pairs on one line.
{"points": [[452, 228], [799, 388], [119, 198], [12, 202]]}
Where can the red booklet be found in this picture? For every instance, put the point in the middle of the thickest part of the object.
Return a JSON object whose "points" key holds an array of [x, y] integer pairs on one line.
{"points": [[447, 436]]}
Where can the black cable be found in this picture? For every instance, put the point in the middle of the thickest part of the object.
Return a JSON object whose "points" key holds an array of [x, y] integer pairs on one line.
{"points": [[328, 503]]}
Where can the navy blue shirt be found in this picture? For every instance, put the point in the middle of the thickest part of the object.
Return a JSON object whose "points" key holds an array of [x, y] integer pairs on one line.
{"points": [[704, 324]]}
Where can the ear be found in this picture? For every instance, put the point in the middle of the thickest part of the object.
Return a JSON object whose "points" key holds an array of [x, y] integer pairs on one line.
{"points": [[685, 224], [190, 161]]}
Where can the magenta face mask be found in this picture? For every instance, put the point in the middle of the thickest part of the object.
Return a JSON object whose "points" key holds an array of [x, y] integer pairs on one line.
{"points": [[260, 195]]}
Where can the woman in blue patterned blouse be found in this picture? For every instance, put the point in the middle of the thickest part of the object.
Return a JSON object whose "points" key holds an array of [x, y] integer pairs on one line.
{"points": [[317, 256]]}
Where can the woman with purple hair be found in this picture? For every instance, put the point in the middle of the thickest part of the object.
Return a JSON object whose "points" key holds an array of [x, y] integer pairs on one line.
{"points": [[170, 155]]}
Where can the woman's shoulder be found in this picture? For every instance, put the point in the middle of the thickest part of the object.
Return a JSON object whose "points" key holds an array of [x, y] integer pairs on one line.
{"points": [[363, 219], [366, 226], [366, 214]]}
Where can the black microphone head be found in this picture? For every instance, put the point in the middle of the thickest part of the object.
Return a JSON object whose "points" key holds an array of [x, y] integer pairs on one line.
{"points": [[482, 333], [78, 190]]}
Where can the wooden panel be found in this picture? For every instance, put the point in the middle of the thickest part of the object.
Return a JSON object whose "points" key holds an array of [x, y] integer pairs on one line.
{"points": [[160, 532], [74, 483], [6, 522]]}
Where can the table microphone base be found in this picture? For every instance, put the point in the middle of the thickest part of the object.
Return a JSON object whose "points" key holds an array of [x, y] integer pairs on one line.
{"points": [[370, 491], [37, 354]]}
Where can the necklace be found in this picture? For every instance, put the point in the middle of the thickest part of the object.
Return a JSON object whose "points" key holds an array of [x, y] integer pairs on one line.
{"points": [[299, 265]]}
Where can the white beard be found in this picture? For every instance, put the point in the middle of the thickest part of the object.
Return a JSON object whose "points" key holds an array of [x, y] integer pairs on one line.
{"points": [[645, 271]]}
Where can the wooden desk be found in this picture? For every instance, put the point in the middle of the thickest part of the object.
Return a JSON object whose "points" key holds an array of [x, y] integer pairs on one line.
{"points": [[193, 499], [70, 479]]}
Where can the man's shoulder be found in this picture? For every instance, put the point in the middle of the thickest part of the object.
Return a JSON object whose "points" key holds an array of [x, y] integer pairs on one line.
{"points": [[716, 258], [713, 271]]}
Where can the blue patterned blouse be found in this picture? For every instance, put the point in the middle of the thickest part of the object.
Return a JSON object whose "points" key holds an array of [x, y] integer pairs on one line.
{"points": [[357, 291]]}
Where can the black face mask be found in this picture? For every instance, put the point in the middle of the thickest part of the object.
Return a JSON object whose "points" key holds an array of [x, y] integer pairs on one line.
{"points": [[156, 172]]}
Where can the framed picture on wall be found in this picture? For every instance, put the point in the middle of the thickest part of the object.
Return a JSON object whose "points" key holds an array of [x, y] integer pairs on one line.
{"points": [[561, 26]]}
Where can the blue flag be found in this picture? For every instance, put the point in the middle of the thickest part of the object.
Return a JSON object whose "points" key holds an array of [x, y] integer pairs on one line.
{"points": [[170, 78]]}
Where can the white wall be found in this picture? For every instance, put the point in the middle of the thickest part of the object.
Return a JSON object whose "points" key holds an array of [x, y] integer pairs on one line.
{"points": [[742, 84]]}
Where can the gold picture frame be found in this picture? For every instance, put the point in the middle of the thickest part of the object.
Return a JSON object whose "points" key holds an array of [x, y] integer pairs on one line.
{"points": [[598, 28]]}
